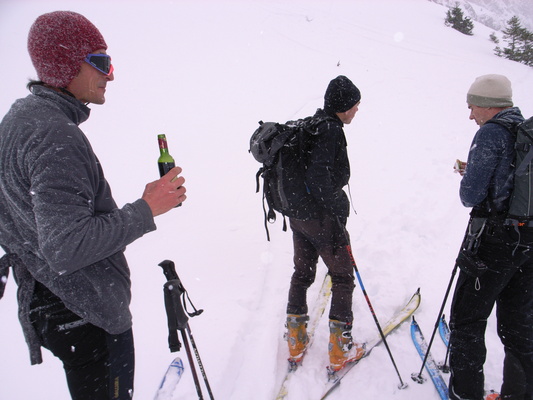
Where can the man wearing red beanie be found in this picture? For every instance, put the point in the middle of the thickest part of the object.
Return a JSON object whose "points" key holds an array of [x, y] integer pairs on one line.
{"points": [[60, 228]]}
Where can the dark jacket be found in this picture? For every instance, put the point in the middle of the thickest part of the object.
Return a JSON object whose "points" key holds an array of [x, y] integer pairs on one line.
{"points": [[57, 214], [488, 181], [328, 167]]}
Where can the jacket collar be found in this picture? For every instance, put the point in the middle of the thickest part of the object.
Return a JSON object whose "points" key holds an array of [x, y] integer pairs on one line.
{"points": [[74, 109]]}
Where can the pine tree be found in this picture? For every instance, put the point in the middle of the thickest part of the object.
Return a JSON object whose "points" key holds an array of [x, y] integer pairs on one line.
{"points": [[511, 35], [519, 43], [456, 19], [526, 48]]}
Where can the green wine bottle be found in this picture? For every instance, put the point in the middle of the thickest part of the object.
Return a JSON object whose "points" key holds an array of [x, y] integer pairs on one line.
{"points": [[165, 161]]}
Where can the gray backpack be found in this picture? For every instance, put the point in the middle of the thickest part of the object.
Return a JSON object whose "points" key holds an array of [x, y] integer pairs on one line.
{"points": [[521, 205]]}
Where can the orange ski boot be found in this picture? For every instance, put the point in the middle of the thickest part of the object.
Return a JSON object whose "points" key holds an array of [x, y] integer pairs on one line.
{"points": [[297, 337], [342, 349]]}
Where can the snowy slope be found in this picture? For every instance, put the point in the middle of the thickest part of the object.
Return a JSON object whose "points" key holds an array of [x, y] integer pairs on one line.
{"points": [[494, 13], [204, 73]]}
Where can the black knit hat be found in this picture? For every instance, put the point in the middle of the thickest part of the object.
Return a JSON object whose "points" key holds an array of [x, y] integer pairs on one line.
{"points": [[341, 95]]}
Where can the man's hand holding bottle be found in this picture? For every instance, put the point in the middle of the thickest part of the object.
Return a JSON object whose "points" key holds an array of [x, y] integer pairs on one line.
{"points": [[165, 193]]}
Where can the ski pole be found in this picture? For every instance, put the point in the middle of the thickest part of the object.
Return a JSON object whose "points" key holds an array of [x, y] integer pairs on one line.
{"points": [[199, 361], [418, 377], [445, 367], [348, 247], [178, 320]]}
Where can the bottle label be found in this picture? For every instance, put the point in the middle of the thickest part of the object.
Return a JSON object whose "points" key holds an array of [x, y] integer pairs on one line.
{"points": [[162, 143], [164, 167]]}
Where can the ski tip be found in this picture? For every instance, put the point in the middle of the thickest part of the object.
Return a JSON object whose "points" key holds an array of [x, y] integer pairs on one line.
{"points": [[177, 362]]}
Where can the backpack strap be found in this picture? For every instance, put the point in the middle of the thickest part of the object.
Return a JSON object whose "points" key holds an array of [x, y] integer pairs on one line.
{"points": [[513, 127], [270, 214], [521, 169], [310, 124]]}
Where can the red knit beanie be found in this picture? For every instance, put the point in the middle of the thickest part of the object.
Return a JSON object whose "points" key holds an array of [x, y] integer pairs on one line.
{"points": [[58, 43]]}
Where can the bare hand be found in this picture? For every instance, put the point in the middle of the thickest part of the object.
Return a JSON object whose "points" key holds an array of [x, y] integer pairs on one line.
{"points": [[459, 167], [166, 193]]}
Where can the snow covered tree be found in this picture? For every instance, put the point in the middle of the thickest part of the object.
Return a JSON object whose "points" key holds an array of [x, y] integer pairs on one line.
{"points": [[456, 19], [526, 48], [511, 36], [519, 43]]}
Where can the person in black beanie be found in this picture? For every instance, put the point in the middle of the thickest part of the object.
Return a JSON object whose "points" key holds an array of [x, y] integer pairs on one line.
{"points": [[320, 230], [341, 95]]}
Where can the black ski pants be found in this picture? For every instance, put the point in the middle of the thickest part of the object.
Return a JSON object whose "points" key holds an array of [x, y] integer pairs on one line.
{"points": [[328, 239], [98, 365], [508, 283]]}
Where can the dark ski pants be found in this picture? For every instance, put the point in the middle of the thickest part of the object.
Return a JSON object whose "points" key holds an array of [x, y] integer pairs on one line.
{"points": [[98, 365], [328, 239], [508, 283]]}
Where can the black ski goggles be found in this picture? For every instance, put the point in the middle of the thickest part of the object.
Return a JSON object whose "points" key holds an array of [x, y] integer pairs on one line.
{"points": [[102, 62]]}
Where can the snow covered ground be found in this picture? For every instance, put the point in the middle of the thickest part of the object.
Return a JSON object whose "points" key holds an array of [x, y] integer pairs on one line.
{"points": [[204, 73]]}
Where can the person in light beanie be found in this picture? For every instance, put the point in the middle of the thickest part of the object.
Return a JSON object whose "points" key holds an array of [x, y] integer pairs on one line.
{"points": [[494, 261], [61, 230]]}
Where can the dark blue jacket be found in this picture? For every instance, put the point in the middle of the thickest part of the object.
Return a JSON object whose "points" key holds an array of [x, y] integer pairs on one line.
{"points": [[488, 180]]}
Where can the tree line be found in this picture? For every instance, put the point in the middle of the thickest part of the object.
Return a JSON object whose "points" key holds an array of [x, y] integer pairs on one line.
{"points": [[518, 40]]}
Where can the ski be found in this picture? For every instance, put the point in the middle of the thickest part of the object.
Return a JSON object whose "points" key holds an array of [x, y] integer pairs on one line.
{"points": [[391, 325], [170, 380], [319, 307], [444, 333], [444, 330], [431, 366]]}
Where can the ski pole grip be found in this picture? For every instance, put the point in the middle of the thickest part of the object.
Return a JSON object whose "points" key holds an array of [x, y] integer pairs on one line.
{"points": [[169, 269], [173, 292]]}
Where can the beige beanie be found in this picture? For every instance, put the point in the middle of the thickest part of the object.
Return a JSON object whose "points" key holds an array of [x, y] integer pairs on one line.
{"points": [[490, 91]]}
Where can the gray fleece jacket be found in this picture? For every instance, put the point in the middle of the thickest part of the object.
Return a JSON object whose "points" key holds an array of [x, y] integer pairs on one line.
{"points": [[59, 223]]}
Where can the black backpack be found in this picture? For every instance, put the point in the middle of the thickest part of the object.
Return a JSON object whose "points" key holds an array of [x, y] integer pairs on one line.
{"points": [[521, 205], [282, 149]]}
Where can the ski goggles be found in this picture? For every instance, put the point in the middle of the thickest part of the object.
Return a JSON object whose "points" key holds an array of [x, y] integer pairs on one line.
{"points": [[102, 62]]}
